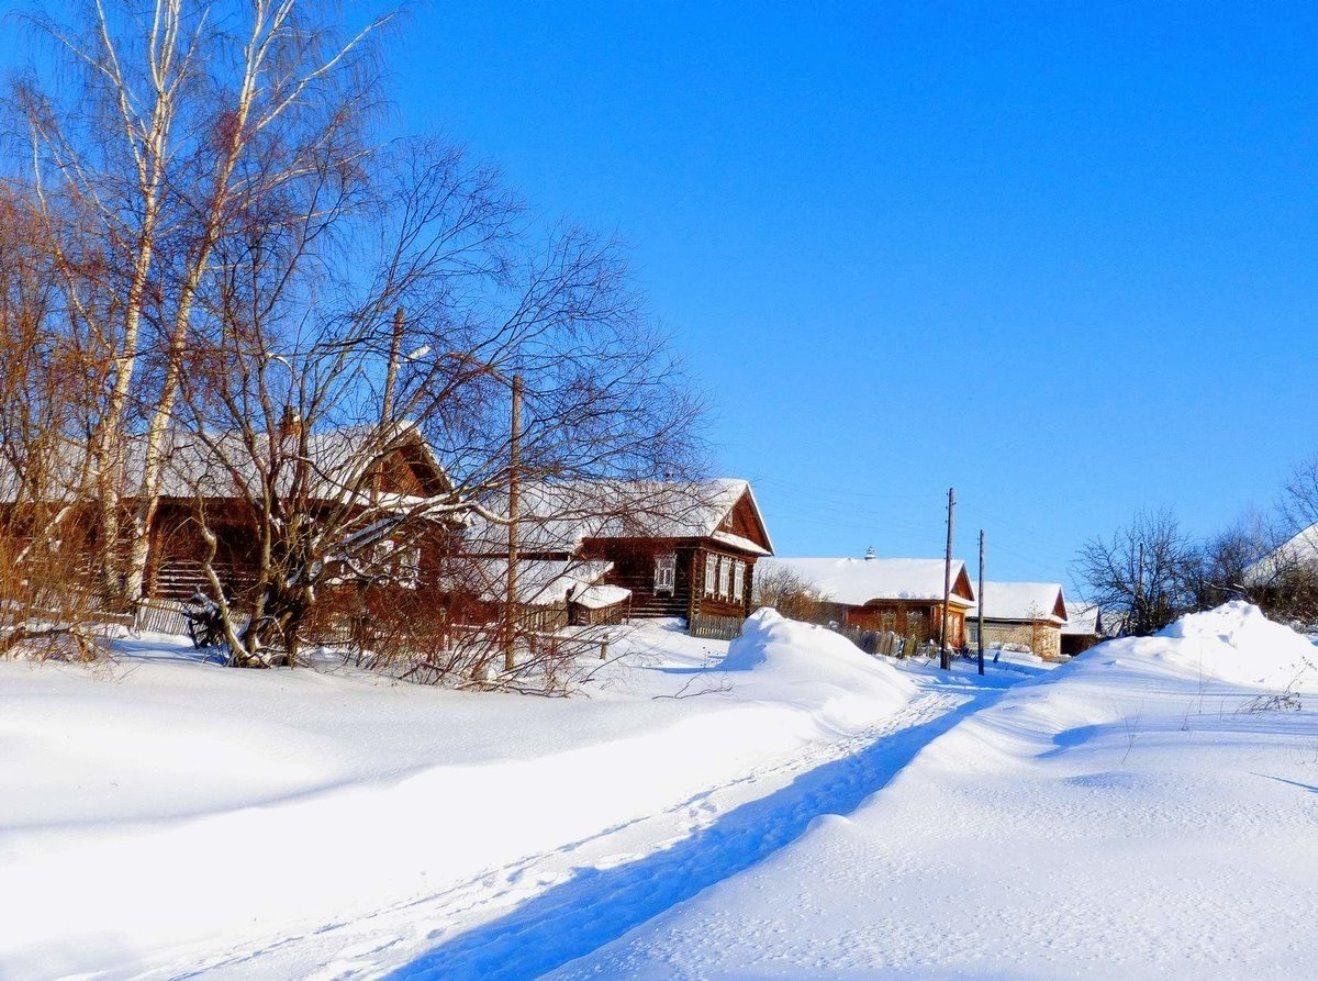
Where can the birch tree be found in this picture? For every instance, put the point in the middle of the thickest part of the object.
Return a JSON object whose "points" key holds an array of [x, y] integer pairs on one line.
{"points": [[175, 101]]}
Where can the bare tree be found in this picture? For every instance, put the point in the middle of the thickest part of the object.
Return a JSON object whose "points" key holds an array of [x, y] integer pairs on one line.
{"points": [[43, 473], [1144, 575], [187, 119], [789, 594], [395, 312]]}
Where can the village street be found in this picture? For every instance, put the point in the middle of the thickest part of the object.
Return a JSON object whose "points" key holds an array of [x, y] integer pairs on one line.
{"points": [[543, 910]]}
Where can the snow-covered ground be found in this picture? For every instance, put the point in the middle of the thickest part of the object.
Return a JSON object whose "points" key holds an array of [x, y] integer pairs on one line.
{"points": [[163, 813], [785, 806], [1147, 810]]}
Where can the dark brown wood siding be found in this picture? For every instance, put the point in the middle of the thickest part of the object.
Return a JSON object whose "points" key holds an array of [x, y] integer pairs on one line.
{"points": [[634, 568]]}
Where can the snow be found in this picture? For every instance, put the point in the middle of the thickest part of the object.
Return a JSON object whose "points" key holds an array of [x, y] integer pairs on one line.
{"points": [[557, 516], [1021, 601], [1083, 619], [601, 596], [855, 582], [167, 814], [1300, 549], [783, 805], [544, 582], [1130, 813]]}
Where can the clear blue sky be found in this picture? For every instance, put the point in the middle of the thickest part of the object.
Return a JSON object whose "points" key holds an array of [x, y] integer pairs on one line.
{"points": [[1063, 256]]}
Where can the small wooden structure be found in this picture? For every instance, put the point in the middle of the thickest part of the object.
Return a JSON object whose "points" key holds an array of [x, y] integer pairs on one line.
{"points": [[1083, 629]]}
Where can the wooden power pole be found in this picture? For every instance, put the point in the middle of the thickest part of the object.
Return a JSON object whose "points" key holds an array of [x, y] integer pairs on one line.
{"points": [[514, 463], [980, 605], [944, 656], [391, 372], [1139, 593]]}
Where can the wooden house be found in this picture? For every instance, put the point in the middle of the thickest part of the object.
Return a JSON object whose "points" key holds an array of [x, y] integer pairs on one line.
{"points": [[1028, 614], [354, 470], [900, 595], [674, 549]]}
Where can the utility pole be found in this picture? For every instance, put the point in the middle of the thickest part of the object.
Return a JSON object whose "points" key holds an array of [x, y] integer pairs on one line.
{"points": [[944, 656], [1139, 593], [980, 604], [514, 462], [391, 373]]}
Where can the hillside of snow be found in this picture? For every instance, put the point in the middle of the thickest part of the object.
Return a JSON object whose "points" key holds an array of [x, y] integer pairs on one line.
{"points": [[162, 812], [1148, 810]]}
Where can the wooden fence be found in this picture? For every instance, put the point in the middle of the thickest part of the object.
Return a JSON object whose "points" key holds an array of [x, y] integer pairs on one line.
{"points": [[714, 628], [162, 617], [885, 642]]}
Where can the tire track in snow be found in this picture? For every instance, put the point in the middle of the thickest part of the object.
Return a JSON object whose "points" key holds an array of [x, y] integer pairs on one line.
{"points": [[599, 904]]}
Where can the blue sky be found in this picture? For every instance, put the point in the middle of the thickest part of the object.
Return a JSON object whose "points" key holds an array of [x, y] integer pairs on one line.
{"points": [[1061, 256]]}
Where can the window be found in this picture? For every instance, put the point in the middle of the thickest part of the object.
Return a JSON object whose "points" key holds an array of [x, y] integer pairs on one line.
{"points": [[665, 573], [888, 621], [711, 571], [725, 578], [409, 568], [915, 625], [738, 581], [400, 564]]}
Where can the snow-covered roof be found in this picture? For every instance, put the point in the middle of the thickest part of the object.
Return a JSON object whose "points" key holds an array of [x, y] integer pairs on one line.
{"points": [[229, 464], [1023, 601], [855, 582], [1300, 549], [1083, 619], [557, 516], [600, 596], [540, 582]]}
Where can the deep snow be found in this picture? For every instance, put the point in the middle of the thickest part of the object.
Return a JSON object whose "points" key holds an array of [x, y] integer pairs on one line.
{"points": [[178, 814], [785, 805], [1134, 813]]}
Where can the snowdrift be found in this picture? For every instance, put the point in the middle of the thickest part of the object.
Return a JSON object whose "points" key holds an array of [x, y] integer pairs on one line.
{"points": [[801, 663], [1236, 643]]}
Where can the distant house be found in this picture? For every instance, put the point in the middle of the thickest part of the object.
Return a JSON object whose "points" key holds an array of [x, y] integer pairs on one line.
{"points": [[901, 595], [1030, 614], [664, 548], [1083, 629]]}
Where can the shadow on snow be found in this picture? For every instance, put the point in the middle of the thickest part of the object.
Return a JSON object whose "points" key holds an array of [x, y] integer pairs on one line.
{"points": [[597, 906]]}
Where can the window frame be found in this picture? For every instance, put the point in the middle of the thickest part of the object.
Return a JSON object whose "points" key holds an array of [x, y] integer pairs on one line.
{"points": [[665, 574], [738, 581], [711, 573]]}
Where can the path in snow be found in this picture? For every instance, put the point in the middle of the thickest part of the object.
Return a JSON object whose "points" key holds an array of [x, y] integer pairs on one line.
{"points": [[596, 905]]}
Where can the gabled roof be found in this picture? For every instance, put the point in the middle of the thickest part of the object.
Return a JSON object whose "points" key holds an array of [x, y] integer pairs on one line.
{"points": [[1025, 601], [558, 516], [226, 465], [1083, 619], [855, 582]]}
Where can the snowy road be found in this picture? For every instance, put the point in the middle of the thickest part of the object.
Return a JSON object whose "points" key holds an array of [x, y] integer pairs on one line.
{"points": [[600, 902], [542, 911]]}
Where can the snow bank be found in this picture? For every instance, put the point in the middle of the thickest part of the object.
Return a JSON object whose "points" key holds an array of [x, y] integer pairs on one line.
{"points": [[165, 811], [809, 665], [1238, 644], [1130, 813]]}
